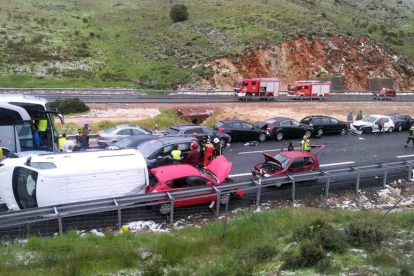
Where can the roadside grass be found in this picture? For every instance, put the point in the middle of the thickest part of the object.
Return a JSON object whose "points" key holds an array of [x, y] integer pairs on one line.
{"points": [[212, 120], [255, 244]]}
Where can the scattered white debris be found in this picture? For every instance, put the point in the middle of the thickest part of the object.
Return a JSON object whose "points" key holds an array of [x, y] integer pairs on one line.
{"points": [[360, 138], [139, 226]]}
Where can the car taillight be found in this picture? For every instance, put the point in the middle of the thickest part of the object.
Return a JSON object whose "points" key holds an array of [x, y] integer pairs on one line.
{"points": [[270, 127], [221, 129], [100, 137]]}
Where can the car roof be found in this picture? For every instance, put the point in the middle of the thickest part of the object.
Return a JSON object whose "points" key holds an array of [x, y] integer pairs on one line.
{"points": [[398, 114], [233, 121], [141, 137], [280, 119], [172, 139], [296, 153], [181, 127], [127, 125], [165, 173]]}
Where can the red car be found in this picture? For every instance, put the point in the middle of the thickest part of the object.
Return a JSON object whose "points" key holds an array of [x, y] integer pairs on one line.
{"points": [[384, 94], [184, 176], [288, 162]]}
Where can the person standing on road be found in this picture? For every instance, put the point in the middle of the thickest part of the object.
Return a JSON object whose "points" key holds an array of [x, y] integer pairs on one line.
{"points": [[176, 155], [194, 156], [62, 142], [305, 143], [218, 147], [410, 136], [85, 130], [203, 143], [82, 139], [291, 147], [67, 145], [208, 153]]}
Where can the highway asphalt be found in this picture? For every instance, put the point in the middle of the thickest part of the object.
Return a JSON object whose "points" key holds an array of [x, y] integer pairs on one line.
{"points": [[340, 151]]}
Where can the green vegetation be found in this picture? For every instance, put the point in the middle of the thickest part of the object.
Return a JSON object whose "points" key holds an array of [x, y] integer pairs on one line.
{"points": [[297, 240], [60, 43], [69, 106], [179, 13]]}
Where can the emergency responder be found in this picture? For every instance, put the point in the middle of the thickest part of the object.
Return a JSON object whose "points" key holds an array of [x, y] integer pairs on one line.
{"points": [[218, 147], [203, 143], [305, 143], [1, 152], [410, 136], [291, 147], [36, 137], [194, 156], [208, 153], [43, 131], [62, 141], [176, 155]]}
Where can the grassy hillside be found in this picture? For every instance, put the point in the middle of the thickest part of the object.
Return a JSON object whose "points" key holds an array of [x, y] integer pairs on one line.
{"points": [[133, 43]]}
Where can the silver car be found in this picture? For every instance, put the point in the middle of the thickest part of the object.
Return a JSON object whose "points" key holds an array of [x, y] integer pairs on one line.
{"points": [[114, 134]]}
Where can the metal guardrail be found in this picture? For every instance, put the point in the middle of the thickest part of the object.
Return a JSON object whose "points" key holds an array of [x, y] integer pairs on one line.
{"points": [[28, 216]]}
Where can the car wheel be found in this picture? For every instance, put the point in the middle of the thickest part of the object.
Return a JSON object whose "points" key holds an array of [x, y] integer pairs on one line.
{"points": [[390, 129], [279, 136], [223, 142], [164, 208], [319, 133], [301, 97], [262, 137], [308, 133], [229, 139], [343, 131], [224, 199], [400, 128], [269, 97]]}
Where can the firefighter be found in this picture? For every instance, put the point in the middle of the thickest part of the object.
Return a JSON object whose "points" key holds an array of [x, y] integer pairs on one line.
{"points": [[410, 136], [62, 141], [305, 143], [218, 147], [176, 155], [194, 156], [208, 153], [203, 143]]}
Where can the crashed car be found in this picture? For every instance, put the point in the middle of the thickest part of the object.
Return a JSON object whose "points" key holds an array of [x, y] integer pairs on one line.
{"points": [[288, 162], [370, 124], [184, 176]]}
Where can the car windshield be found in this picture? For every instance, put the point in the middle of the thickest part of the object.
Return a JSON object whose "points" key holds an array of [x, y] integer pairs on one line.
{"points": [[109, 130], [149, 147], [123, 142], [146, 131], [209, 173], [282, 159], [237, 84], [370, 119], [292, 87], [270, 121], [172, 131]]}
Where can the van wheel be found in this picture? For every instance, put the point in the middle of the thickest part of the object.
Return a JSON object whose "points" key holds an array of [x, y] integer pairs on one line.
{"points": [[343, 131], [319, 133], [400, 128], [279, 136], [262, 137], [224, 199], [164, 208]]}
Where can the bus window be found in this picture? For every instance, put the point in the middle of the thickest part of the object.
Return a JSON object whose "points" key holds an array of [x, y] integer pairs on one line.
{"points": [[25, 134], [7, 117], [24, 187]]}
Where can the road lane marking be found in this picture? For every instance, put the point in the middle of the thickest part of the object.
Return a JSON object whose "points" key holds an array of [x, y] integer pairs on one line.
{"points": [[403, 156], [256, 151], [324, 165]]}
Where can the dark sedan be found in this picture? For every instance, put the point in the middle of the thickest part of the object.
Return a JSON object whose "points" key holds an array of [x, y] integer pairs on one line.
{"points": [[238, 130], [130, 142], [188, 130], [401, 121], [325, 125], [280, 128]]}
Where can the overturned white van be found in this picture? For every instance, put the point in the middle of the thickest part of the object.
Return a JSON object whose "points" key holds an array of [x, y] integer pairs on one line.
{"points": [[52, 179]]}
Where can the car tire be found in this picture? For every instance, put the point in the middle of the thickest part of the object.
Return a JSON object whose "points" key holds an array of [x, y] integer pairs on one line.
{"points": [[223, 142], [344, 131], [400, 128], [301, 97], [224, 198], [270, 97], [319, 133], [229, 139], [308, 133], [390, 129], [262, 137], [164, 209], [279, 136]]}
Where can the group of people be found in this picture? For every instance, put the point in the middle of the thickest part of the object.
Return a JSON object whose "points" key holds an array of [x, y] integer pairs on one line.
{"points": [[82, 141], [305, 144], [201, 153]]}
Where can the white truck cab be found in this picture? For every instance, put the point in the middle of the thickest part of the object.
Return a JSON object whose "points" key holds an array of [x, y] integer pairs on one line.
{"points": [[53, 179]]}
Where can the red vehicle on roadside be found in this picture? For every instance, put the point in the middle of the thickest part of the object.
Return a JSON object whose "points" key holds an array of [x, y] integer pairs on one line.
{"points": [[260, 87], [288, 162], [184, 176], [309, 89], [384, 94]]}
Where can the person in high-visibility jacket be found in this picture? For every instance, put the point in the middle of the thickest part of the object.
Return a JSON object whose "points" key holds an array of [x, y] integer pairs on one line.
{"points": [[62, 141], [410, 136], [42, 131], [305, 143], [176, 155], [1, 152]]}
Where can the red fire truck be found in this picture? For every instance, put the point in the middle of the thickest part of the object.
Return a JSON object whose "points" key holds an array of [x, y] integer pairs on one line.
{"points": [[260, 87], [309, 89]]}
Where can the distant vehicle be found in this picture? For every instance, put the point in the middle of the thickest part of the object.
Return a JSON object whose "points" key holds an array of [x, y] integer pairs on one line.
{"points": [[238, 130], [116, 133], [189, 129], [19, 114], [288, 162], [130, 142], [53, 179], [370, 124], [309, 89], [280, 128], [260, 87], [325, 125], [384, 94], [157, 152], [401, 121], [179, 177]]}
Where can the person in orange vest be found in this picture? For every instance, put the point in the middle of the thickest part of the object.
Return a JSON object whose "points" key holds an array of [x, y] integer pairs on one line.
{"points": [[208, 153]]}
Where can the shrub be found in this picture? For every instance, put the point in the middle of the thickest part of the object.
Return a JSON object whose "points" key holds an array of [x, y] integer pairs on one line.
{"points": [[85, 20], [179, 13], [205, 72], [310, 254], [37, 38], [69, 106], [364, 234]]}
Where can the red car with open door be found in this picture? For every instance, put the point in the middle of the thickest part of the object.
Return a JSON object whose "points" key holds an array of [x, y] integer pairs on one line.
{"points": [[184, 176], [288, 162]]}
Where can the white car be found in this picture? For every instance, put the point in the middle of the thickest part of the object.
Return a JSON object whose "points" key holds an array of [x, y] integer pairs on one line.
{"points": [[370, 124]]}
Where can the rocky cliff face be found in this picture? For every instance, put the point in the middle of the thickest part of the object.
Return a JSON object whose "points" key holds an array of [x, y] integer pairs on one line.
{"points": [[357, 59]]}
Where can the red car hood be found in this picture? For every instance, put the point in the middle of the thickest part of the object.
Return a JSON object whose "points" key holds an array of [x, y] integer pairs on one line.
{"points": [[221, 167], [270, 158]]}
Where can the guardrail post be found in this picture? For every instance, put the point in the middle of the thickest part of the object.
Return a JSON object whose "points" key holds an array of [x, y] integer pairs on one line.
{"points": [[259, 191], [410, 169], [119, 214], [172, 208], [59, 221], [357, 179], [225, 216], [293, 188], [218, 200], [384, 178], [328, 179]]}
